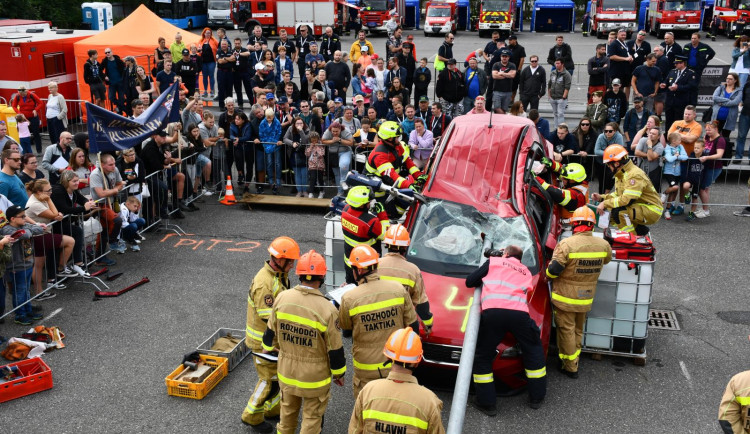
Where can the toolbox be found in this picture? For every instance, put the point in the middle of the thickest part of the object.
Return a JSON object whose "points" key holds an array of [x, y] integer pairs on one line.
{"points": [[238, 353], [35, 377], [197, 390]]}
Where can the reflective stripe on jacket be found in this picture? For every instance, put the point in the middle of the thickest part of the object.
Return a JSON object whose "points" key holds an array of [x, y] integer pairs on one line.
{"points": [[506, 284], [632, 185], [267, 285], [734, 410]]}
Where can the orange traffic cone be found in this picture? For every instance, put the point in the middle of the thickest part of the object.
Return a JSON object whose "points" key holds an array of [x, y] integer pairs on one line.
{"points": [[229, 196]]}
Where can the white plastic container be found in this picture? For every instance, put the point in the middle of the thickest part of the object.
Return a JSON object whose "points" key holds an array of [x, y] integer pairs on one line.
{"points": [[334, 253]]}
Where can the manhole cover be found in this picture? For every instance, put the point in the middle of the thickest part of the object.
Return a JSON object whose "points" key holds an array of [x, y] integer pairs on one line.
{"points": [[662, 320]]}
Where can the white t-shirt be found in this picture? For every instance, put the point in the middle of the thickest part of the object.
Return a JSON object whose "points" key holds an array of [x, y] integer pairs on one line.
{"points": [[36, 207], [53, 106]]}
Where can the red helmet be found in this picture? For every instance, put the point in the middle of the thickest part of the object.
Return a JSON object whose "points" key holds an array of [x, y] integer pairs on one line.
{"points": [[311, 264]]}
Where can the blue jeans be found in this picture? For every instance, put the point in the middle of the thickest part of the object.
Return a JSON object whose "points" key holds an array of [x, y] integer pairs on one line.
{"points": [[20, 282], [116, 95], [743, 126], [55, 127], [273, 166], [26, 145], [340, 172], [208, 70], [300, 179], [128, 232]]}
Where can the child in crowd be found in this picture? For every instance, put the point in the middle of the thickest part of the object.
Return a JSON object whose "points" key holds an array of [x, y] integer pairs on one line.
{"points": [[673, 156], [18, 273], [218, 158], [692, 179], [381, 105], [23, 133], [316, 165], [371, 82], [132, 223]]}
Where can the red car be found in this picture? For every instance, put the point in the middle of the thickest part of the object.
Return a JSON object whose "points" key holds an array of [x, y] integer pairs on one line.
{"points": [[481, 185]]}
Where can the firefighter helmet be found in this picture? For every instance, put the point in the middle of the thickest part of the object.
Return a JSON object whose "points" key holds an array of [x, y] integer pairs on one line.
{"points": [[311, 264], [404, 346], [397, 236], [363, 256], [284, 248], [583, 215], [614, 153], [359, 196], [390, 130], [574, 172]]}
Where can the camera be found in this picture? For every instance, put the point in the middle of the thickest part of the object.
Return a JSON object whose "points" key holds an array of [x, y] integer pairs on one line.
{"points": [[494, 252]]}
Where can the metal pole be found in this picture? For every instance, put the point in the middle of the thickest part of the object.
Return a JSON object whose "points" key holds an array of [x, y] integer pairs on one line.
{"points": [[463, 378]]}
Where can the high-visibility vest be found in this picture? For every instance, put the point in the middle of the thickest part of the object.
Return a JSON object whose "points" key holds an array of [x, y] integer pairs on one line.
{"points": [[506, 284]]}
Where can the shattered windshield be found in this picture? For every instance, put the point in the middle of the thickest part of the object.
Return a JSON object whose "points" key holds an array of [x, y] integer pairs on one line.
{"points": [[446, 238]]}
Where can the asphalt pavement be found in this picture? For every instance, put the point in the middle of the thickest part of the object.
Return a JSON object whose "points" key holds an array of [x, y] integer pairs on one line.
{"points": [[110, 376]]}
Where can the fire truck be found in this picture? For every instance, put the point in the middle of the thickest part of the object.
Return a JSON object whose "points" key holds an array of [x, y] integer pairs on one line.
{"points": [[290, 15], [441, 17], [729, 12], [674, 16], [610, 15], [496, 15], [374, 13]]}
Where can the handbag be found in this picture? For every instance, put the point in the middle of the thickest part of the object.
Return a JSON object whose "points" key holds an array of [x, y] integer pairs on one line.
{"points": [[145, 192]]}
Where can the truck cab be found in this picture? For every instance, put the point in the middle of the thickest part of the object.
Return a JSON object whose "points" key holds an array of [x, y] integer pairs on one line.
{"points": [[247, 14], [441, 17], [729, 11], [673, 16], [496, 15], [219, 14], [610, 15], [375, 13]]}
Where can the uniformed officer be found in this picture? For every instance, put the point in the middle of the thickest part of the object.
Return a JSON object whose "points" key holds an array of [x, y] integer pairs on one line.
{"points": [[304, 328], [734, 411], [372, 311], [267, 284], [302, 45], [680, 84], [575, 191], [398, 404], [575, 267], [635, 203], [506, 284], [394, 266], [329, 44], [360, 224]]}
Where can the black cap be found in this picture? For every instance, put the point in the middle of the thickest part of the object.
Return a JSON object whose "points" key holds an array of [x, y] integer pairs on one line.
{"points": [[424, 98], [512, 38], [13, 211], [680, 58], [185, 51], [504, 52], [450, 62]]}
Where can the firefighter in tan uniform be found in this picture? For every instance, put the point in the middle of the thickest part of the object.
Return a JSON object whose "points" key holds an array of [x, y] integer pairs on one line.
{"points": [[734, 411], [575, 267], [267, 284], [394, 266], [635, 203], [304, 327], [372, 311], [398, 404]]}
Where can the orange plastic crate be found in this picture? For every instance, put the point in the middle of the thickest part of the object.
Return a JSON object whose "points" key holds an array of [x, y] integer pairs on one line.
{"points": [[198, 390], [37, 376]]}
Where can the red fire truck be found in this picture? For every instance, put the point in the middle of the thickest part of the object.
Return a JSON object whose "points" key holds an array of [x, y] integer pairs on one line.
{"points": [[673, 16], [441, 17], [290, 15], [729, 12], [496, 15], [374, 13], [610, 15]]}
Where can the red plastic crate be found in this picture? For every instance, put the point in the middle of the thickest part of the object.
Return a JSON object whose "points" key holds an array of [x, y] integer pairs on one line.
{"points": [[37, 376]]}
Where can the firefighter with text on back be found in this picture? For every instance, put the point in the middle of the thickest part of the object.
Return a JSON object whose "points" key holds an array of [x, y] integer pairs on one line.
{"points": [[398, 404], [505, 285], [372, 311], [734, 410], [304, 327], [575, 191], [575, 267], [394, 266], [635, 203], [389, 159], [360, 224], [267, 284]]}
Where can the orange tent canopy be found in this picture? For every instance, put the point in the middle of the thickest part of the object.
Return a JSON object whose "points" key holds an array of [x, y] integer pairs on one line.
{"points": [[137, 35]]}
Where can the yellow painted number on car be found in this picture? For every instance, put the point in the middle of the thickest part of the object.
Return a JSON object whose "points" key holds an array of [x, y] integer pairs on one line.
{"points": [[450, 306]]}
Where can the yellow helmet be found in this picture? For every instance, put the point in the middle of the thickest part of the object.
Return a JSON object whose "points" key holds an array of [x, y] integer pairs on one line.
{"points": [[574, 172], [358, 196], [390, 130]]}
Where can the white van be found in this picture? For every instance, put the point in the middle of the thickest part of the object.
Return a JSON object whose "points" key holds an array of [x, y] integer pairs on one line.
{"points": [[218, 14]]}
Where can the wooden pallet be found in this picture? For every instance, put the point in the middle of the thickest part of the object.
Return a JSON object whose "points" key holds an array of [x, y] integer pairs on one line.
{"points": [[274, 200]]}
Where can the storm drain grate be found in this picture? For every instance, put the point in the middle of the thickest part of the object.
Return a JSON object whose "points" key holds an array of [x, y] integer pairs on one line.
{"points": [[662, 320]]}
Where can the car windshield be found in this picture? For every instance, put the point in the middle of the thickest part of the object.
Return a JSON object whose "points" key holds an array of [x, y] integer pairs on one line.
{"points": [[446, 238], [496, 5], [377, 5], [682, 6], [438, 12], [218, 6], [618, 5]]}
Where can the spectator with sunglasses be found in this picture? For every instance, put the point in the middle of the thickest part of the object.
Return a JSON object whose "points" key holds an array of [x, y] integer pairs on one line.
{"points": [[610, 136]]}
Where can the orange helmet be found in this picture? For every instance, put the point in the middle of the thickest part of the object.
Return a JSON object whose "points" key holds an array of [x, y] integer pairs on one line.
{"points": [[404, 346], [614, 153], [582, 215], [397, 235], [311, 264], [363, 256], [284, 248]]}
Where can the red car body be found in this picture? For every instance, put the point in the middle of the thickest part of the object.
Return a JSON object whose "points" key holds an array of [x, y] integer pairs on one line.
{"points": [[480, 177]]}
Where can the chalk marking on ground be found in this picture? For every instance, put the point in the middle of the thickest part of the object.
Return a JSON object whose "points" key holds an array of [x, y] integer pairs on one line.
{"points": [[55, 312], [685, 372]]}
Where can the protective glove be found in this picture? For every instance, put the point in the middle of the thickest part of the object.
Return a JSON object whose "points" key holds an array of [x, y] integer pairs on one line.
{"points": [[421, 179], [378, 208], [547, 162]]}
